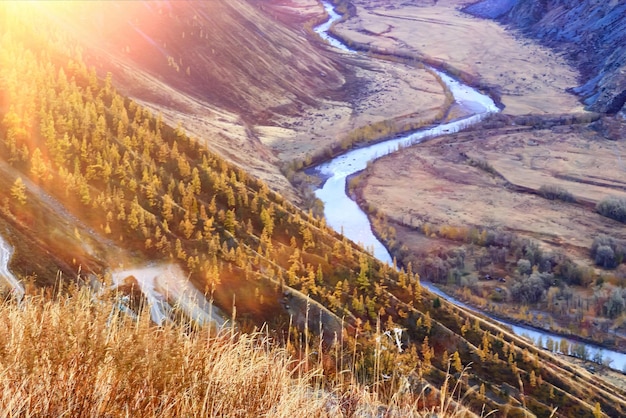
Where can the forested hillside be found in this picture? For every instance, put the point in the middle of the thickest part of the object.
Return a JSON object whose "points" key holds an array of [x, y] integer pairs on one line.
{"points": [[90, 180]]}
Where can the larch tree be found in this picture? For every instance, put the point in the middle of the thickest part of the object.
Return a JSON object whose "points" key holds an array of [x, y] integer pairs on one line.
{"points": [[18, 191]]}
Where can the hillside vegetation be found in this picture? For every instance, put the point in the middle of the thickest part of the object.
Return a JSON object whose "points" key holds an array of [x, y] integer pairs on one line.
{"points": [[70, 356], [91, 180]]}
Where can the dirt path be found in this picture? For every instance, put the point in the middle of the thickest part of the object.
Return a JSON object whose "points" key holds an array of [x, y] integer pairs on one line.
{"points": [[5, 256], [166, 288]]}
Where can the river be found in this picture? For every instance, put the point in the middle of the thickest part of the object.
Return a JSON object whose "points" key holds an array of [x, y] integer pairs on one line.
{"points": [[343, 214]]}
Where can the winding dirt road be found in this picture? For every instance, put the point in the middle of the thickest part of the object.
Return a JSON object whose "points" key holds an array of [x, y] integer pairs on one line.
{"points": [[6, 251]]}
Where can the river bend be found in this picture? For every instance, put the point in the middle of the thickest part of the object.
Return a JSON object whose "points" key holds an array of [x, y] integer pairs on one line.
{"points": [[343, 214]]}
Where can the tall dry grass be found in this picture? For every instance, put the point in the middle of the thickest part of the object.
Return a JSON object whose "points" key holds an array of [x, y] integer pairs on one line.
{"points": [[77, 357]]}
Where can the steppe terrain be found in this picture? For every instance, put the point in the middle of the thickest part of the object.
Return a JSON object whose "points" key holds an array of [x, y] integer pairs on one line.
{"points": [[300, 100], [528, 77], [436, 183], [98, 190], [492, 177]]}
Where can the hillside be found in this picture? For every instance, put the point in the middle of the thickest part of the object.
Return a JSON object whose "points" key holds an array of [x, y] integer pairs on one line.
{"points": [[251, 76], [98, 190], [198, 63], [590, 34]]}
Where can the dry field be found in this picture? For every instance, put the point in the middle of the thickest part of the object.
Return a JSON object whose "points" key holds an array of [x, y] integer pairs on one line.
{"points": [[371, 91], [381, 91], [530, 78], [435, 183]]}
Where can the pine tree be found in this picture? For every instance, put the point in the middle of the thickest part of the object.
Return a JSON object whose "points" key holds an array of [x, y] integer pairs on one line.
{"points": [[18, 191], [597, 411], [427, 352], [456, 362]]}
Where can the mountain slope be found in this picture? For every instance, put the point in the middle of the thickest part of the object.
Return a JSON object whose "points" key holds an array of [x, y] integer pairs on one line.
{"points": [[221, 52], [199, 63], [92, 182], [592, 34]]}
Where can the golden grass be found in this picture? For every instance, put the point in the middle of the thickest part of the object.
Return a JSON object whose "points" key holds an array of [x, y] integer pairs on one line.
{"points": [[76, 356]]}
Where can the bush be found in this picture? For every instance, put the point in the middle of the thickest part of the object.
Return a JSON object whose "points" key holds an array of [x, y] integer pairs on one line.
{"points": [[607, 252], [483, 165], [615, 304], [524, 267], [571, 273], [605, 257], [613, 207], [553, 192], [529, 289]]}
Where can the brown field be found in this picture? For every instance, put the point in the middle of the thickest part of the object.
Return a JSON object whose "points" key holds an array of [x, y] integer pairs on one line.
{"points": [[435, 183], [530, 78]]}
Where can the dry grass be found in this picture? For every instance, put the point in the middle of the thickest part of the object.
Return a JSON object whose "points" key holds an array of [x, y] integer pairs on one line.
{"points": [[76, 356]]}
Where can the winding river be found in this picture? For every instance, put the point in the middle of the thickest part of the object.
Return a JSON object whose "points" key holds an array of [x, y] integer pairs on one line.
{"points": [[343, 214]]}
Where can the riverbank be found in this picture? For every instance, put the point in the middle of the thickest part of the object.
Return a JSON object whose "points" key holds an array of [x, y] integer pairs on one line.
{"points": [[341, 215], [535, 79], [423, 194]]}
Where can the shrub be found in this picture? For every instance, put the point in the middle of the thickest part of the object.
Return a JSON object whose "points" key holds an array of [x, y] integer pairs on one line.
{"points": [[483, 165], [529, 289], [615, 304], [524, 266], [554, 192], [613, 207], [605, 257], [571, 273], [607, 251]]}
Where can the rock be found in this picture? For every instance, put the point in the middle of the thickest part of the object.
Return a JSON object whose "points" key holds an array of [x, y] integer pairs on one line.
{"points": [[490, 9]]}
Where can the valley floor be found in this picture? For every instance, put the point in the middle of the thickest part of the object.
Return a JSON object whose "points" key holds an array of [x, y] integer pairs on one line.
{"points": [[493, 178]]}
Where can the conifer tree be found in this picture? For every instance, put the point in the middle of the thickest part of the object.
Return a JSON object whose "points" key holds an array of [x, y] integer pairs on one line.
{"points": [[18, 191]]}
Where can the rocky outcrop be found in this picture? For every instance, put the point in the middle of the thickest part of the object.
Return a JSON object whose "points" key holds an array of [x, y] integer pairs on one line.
{"points": [[490, 9], [591, 33]]}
